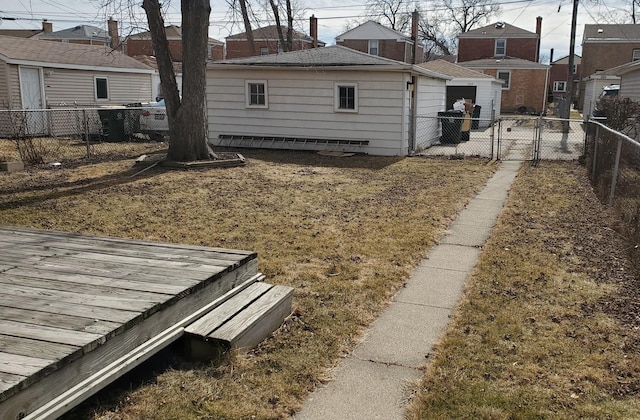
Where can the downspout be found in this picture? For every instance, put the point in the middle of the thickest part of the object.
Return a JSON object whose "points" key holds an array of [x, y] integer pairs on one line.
{"points": [[413, 102]]}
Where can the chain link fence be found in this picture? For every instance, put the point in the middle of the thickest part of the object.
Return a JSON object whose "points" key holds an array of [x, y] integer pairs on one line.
{"points": [[613, 164], [60, 135], [513, 137]]}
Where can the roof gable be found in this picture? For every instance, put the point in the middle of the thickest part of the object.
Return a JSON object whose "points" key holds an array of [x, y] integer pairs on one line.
{"points": [[565, 60], [498, 30], [78, 32], [603, 33], [59, 54], [372, 30]]}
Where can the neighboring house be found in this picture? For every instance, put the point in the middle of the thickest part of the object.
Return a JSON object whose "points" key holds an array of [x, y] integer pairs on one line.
{"points": [[81, 34], [607, 46], [140, 44], [558, 77], [523, 87], [376, 39], [479, 88], [47, 27], [37, 74], [267, 41], [510, 54], [331, 98], [500, 40]]}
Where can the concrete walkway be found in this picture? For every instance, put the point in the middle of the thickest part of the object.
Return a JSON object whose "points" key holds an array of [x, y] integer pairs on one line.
{"points": [[371, 383]]}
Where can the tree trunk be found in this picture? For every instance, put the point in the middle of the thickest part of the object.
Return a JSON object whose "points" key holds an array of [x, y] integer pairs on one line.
{"points": [[187, 117], [276, 15], [290, 27], [247, 26]]}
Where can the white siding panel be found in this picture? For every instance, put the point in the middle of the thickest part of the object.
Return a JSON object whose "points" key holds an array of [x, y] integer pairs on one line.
{"points": [[431, 100], [593, 88], [301, 104], [4, 85], [630, 86], [15, 99], [68, 87]]}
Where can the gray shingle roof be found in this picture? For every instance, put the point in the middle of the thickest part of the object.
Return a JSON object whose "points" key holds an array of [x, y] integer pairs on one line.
{"points": [[172, 31], [78, 32], [503, 63], [453, 70], [595, 32], [498, 31], [333, 55], [60, 54], [269, 33]]}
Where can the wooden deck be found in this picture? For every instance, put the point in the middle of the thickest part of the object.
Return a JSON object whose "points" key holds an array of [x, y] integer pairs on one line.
{"points": [[74, 310]]}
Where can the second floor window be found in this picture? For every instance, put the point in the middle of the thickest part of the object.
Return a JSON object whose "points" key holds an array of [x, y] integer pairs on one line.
{"points": [[501, 47], [373, 47], [636, 55], [559, 86]]}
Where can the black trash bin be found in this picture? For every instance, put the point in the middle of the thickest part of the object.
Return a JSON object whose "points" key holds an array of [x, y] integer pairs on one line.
{"points": [[451, 122], [475, 115], [112, 120]]}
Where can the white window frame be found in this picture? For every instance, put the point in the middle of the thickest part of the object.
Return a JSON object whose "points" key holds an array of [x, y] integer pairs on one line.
{"points": [[248, 103], [507, 81], [504, 47], [374, 47], [336, 90], [556, 85], [95, 87], [635, 55]]}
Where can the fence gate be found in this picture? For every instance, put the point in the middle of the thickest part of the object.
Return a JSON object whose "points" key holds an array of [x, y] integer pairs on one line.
{"points": [[518, 138]]}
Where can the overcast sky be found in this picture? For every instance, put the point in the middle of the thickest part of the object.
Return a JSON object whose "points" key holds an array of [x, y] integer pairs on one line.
{"points": [[333, 17]]}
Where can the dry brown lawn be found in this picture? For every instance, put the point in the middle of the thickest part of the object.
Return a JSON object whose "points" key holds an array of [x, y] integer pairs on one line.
{"points": [[344, 232]]}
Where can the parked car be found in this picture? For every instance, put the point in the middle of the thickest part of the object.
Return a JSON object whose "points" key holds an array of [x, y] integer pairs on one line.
{"points": [[608, 92], [154, 121]]}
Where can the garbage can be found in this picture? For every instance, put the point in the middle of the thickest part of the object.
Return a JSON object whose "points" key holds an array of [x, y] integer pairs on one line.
{"points": [[475, 122], [466, 127], [112, 119], [451, 122]]}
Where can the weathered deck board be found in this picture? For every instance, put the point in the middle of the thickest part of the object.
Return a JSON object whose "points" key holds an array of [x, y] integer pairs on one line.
{"points": [[71, 305]]}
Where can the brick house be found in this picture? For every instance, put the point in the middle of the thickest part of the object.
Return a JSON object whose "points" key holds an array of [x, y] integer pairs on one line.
{"points": [[607, 46], [558, 76], [267, 42], [510, 54], [140, 44], [376, 39]]}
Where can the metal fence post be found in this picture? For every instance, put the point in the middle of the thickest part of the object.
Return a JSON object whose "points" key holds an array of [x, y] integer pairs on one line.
{"points": [[616, 168], [493, 128], [595, 153], [499, 139], [86, 131]]}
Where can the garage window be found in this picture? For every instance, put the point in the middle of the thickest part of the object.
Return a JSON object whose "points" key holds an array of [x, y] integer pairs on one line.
{"points": [[256, 94], [101, 88], [505, 76], [346, 97]]}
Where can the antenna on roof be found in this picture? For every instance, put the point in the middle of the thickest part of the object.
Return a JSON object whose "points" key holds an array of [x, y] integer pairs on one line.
{"points": [[500, 25]]}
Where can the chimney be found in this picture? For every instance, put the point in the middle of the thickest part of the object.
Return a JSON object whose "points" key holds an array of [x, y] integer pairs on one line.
{"points": [[539, 33], [112, 27], [47, 27], [415, 16], [551, 56], [313, 30]]}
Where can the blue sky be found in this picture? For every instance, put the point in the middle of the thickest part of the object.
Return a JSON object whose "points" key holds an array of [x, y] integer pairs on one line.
{"points": [[333, 17]]}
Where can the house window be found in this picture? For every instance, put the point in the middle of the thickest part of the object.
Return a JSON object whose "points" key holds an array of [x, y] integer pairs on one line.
{"points": [[373, 46], [102, 88], [256, 94], [575, 69], [636, 55], [560, 86], [209, 51], [346, 97], [505, 76], [501, 47], [264, 51]]}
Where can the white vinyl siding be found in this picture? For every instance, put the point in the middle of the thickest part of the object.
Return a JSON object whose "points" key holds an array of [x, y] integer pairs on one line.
{"points": [[630, 85], [432, 96], [301, 104], [4, 86]]}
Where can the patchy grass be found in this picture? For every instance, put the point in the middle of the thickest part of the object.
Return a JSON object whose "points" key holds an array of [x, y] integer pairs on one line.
{"points": [[344, 232], [549, 325]]}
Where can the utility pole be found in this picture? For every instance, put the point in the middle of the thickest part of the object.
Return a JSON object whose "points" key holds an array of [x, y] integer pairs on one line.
{"points": [[570, 75]]}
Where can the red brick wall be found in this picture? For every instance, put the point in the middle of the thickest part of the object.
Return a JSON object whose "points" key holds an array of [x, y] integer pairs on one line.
{"points": [[217, 52], [240, 49], [144, 47], [386, 48], [526, 89], [478, 48], [558, 72]]}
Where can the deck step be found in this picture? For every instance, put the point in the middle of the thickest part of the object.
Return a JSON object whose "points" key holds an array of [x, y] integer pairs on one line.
{"points": [[246, 319]]}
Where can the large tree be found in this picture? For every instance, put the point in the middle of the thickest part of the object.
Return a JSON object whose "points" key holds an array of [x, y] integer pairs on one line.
{"points": [[186, 115]]}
